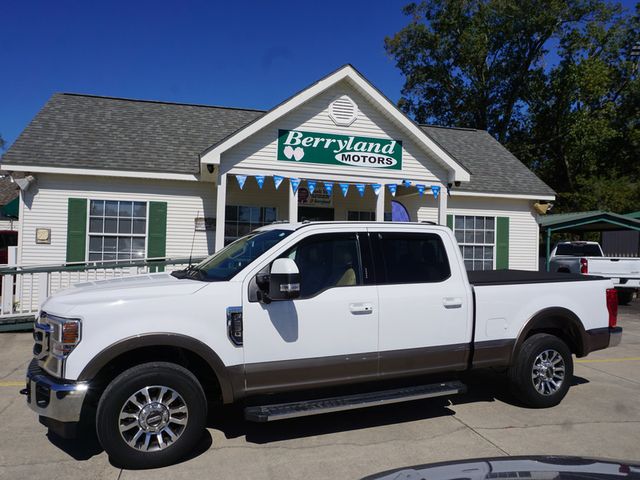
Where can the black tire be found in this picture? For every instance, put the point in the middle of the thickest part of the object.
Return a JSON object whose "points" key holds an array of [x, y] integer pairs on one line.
{"points": [[625, 297], [117, 398], [541, 392]]}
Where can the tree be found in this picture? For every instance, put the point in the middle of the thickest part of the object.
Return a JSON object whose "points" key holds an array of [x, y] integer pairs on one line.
{"points": [[552, 80]]}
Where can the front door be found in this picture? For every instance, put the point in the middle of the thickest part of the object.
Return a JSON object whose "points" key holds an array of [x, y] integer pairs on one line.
{"points": [[425, 302], [315, 214], [327, 336]]}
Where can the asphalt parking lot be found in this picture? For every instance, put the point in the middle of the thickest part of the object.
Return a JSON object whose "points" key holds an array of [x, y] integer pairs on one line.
{"points": [[599, 417]]}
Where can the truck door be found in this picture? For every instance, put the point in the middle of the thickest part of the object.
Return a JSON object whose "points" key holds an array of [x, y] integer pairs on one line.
{"points": [[327, 336], [425, 302]]}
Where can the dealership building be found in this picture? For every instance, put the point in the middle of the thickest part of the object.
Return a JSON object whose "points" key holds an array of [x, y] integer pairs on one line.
{"points": [[120, 179]]}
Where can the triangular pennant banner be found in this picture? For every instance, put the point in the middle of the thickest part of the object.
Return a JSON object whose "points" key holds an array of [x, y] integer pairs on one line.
{"points": [[241, 179], [406, 183], [345, 188], [435, 189], [328, 186], [311, 186], [420, 189], [360, 187], [376, 188], [392, 188], [295, 183], [277, 180], [260, 180]]}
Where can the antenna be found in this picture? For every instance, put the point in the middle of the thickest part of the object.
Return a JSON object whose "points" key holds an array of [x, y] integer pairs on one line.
{"points": [[193, 239]]}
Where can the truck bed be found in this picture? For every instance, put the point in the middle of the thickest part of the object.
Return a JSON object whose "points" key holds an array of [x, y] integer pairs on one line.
{"points": [[512, 277]]}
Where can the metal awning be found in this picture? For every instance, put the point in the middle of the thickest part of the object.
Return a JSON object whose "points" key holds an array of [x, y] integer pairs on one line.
{"points": [[579, 222]]}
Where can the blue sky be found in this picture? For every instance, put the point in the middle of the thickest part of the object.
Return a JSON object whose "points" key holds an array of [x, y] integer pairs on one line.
{"points": [[242, 54]]}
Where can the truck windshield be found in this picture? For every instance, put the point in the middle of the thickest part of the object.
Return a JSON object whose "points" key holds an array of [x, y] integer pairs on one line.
{"points": [[579, 250], [229, 261]]}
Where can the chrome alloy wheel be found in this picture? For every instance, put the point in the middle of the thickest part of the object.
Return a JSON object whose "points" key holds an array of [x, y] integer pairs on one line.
{"points": [[153, 418], [548, 372]]}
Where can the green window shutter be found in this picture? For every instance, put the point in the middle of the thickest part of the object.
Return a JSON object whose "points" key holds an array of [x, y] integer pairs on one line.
{"points": [[157, 241], [502, 243], [450, 221], [77, 230]]}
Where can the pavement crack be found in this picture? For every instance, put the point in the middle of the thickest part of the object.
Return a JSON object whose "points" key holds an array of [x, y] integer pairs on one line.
{"points": [[590, 365], [565, 424], [480, 435]]}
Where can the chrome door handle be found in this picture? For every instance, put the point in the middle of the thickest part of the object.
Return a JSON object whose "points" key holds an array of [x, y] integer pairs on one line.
{"points": [[361, 308], [452, 302]]}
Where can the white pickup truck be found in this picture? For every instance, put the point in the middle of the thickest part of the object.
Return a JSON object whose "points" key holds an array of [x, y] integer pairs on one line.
{"points": [[301, 319], [587, 258]]}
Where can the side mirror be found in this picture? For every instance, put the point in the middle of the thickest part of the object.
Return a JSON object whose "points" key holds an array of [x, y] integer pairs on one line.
{"points": [[284, 280]]}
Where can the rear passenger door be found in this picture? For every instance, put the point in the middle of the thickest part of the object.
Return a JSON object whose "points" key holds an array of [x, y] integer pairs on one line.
{"points": [[424, 302]]}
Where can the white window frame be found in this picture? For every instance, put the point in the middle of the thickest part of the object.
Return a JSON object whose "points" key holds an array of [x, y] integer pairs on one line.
{"points": [[103, 234], [226, 220], [360, 212], [474, 244]]}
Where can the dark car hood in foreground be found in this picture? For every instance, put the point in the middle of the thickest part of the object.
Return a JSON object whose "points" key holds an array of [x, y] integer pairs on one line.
{"points": [[520, 468]]}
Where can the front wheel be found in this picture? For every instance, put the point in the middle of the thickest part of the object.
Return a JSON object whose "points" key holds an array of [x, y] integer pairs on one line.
{"points": [[151, 415], [542, 371]]}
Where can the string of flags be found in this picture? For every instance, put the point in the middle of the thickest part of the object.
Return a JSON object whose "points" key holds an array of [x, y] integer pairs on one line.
{"points": [[344, 187]]}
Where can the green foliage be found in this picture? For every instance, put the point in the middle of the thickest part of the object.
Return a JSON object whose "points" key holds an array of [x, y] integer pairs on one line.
{"points": [[552, 80]]}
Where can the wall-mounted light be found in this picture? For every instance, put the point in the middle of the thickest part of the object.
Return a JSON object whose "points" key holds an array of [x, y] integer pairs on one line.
{"points": [[210, 167]]}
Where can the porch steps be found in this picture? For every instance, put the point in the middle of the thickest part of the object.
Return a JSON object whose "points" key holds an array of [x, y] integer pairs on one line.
{"points": [[281, 411]]}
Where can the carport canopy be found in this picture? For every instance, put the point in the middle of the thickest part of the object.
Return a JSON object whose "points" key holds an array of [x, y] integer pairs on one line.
{"points": [[580, 222]]}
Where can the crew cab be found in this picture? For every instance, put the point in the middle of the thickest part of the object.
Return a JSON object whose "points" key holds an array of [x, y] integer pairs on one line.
{"points": [[587, 258], [301, 319]]}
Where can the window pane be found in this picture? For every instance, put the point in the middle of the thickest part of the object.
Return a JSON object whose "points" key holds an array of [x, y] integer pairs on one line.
{"points": [[125, 225], [137, 247], [459, 223], [110, 225], [414, 258], [124, 244], [243, 229], [97, 208], [479, 237], [109, 256], [124, 255], [489, 223], [488, 236], [326, 261], [231, 212], [95, 225], [468, 237], [244, 214], [110, 244], [468, 264], [269, 214], [478, 264], [488, 265], [139, 226], [95, 244], [126, 209], [479, 223], [95, 257], [459, 236], [352, 216], [488, 253], [139, 209], [111, 208]]}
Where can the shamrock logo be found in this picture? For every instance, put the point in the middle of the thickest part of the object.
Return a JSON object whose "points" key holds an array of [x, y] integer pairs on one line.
{"points": [[296, 153]]}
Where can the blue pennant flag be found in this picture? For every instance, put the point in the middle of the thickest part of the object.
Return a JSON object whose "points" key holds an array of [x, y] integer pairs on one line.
{"points": [[328, 186], [435, 189], [241, 179], [277, 180], [295, 183], [311, 186], [345, 188], [260, 180], [360, 187], [392, 188], [376, 188], [406, 183], [420, 189]]}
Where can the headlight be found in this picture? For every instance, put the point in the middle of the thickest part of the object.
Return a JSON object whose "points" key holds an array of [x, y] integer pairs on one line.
{"points": [[65, 334]]}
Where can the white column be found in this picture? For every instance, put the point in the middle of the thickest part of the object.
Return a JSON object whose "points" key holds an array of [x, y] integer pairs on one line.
{"points": [[293, 204], [442, 206], [221, 203], [380, 204]]}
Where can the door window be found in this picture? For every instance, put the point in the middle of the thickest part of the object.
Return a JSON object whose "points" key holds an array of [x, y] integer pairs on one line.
{"points": [[412, 258], [327, 261]]}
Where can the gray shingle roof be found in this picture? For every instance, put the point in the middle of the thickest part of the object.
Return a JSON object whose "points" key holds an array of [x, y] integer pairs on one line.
{"points": [[91, 132], [82, 131], [494, 169]]}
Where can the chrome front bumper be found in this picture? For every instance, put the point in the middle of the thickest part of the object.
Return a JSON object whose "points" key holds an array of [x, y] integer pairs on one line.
{"points": [[53, 398]]}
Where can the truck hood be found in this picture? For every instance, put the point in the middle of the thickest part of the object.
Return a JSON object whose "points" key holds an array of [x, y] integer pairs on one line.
{"points": [[137, 287]]}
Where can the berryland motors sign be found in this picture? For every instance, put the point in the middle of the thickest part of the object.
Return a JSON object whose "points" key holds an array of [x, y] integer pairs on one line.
{"points": [[329, 149]]}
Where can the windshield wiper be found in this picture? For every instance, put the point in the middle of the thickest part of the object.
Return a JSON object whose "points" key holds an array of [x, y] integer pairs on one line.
{"points": [[190, 272]]}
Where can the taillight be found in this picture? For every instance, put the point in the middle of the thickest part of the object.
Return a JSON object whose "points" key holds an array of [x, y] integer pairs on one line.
{"points": [[612, 306], [584, 265]]}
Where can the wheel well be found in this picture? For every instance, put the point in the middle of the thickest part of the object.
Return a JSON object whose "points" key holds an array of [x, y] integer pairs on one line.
{"points": [[180, 356], [564, 270], [560, 327]]}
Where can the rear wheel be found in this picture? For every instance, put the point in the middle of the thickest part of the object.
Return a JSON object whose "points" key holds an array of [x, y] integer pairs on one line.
{"points": [[542, 371], [151, 415]]}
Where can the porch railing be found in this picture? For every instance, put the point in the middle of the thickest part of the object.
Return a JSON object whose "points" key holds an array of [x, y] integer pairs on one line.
{"points": [[26, 287]]}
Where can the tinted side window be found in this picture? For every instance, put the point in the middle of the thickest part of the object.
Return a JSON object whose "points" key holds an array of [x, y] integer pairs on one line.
{"points": [[412, 258], [326, 261]]}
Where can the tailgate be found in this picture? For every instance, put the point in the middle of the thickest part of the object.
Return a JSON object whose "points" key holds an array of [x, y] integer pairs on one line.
{"points": [[614, 267]]}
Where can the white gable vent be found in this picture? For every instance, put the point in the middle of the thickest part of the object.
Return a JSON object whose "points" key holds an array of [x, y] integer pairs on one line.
{"points": [[343, 111]]}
